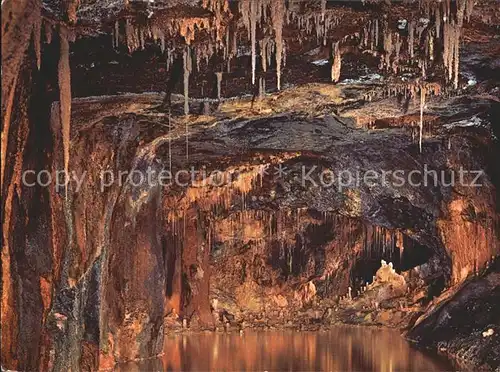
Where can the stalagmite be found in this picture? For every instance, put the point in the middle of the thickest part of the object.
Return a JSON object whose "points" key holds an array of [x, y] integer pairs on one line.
{"points": [[337, 61], [64, 76]]}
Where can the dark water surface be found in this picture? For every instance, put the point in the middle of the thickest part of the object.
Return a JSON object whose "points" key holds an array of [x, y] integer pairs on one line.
{"points": [[340, 349]]}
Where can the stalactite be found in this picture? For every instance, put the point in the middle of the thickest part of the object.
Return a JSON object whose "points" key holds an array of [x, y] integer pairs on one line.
{"points": [[468, 9], [37, 36], [278, 17], [431, 46], [269, 52], [48, 32], [131, 36], [422, 104], [64, 77], [71, 8], [451, 51], [250, 10], [284, 53], [227, 53], [323, 10], [263, 53], [456, 58], [461, 5], [262, 87], [387, 47], [253, 40], [422, 63], [162, 42], [438, 22], [365, 35], [142, 38], [6, 123], [446, 45], [219, 88], [397, 49], [337, 61], [411, 41], [188, 66]]}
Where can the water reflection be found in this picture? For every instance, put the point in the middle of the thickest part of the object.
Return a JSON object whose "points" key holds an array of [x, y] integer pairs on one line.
{"points": [[342, 349]]}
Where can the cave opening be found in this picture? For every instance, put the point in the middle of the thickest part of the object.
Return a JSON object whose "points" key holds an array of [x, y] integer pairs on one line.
{"points": [[404, 254]]}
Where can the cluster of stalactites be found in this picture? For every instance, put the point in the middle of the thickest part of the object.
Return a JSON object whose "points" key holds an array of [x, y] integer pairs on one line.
{"points": [[135, 36], [380, 241], [442, 24], [448, 27], [66, 35], [220, 9], [451, 50], [464, 6], [370, 35], [392, 43], [260, 13], [319, 23], [421, 90], [416, 89]]}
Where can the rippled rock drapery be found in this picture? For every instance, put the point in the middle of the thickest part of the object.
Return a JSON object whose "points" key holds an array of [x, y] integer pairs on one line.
{"points": [[448, 326], [93, 278]]}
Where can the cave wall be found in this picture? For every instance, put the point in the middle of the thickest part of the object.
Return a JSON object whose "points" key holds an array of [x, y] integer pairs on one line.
{"points": [[88, 277]]}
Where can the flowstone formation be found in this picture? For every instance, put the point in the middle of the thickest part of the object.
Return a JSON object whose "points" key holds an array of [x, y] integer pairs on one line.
{"points": [[262, 112]]}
